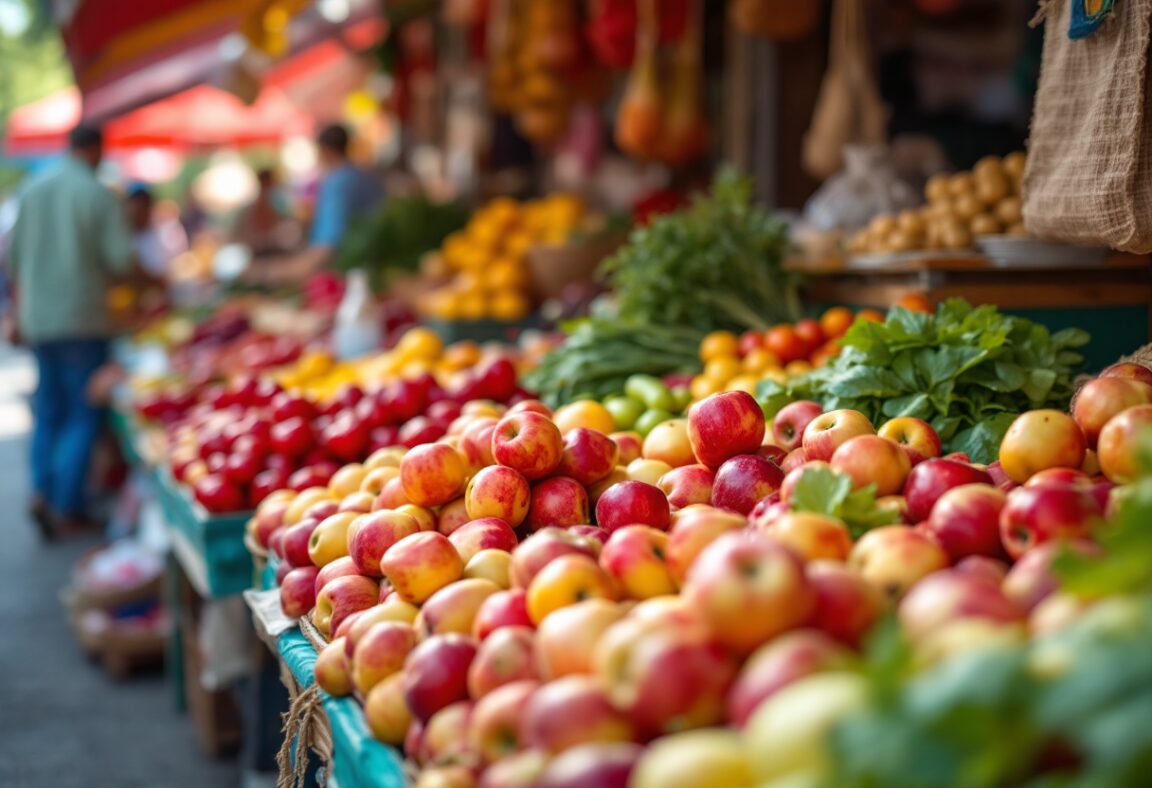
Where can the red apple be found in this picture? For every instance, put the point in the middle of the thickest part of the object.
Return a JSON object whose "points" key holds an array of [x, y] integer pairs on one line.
{"points": [[847, 605], [502, 609], [635, 556], [1031, 580], [419, 565], [966, 521], [742, 481], [432, 474], [380, 652], [794, 459], [218, 494], [292, 436], [589, 456], [452, 515], [630, 446], [1101, 399], [828, 431], [946, 596], [298, 591], [932, 478], [529, 442], [544, 546], [916, 437], [725, 425], [1119, 447], [341, 567], [296, 539], [896, 557], [453, 608], [566, 641], [870, 459], [592, 765], [1035, 515], [687, 485], [1041, 439], [486, 533], [790, 422], [1127, 369], [693, 529], [990, 570], [497, 491], [373, 534], [436, 674], [507, 655], [559, 501], [341, 597], [749, 589], [778, 663], [476, 442], [392, 495], [495, 730], [633, 503], [569, 711]]}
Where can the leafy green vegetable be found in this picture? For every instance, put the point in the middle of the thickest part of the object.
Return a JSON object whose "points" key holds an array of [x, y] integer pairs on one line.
{"points": [[398, 234], [967, 370], [716, 264], [825, 491], [600, 355]]}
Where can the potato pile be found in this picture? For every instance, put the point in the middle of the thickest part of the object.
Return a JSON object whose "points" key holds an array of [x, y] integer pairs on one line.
{"points": [[960, 207]]}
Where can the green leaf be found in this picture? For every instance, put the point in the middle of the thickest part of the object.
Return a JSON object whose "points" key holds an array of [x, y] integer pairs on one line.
{"points": [[825, 491], [981, 442]]}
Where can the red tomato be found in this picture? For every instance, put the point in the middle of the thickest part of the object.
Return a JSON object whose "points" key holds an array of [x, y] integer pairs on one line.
{"points": [[783, 341], [812, 335]]}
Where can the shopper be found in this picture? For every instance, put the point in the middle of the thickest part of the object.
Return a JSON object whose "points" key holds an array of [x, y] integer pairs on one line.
{"points": [[347, 192], [69, 244]]}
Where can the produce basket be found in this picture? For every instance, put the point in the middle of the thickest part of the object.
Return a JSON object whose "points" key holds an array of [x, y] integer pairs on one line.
{"points": [[555, 267]]}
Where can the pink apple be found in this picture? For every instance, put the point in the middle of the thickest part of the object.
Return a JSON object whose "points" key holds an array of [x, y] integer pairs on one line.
{"points": [[990, 570], [629, 444], [811, 535], [452, 515], [596, 764], [295, 542], [896, 557], [635, 556], [794, 459], [668, 442], [419, 565], [687, 485], [1128, 369], [870, 459], [569, 711], [341, 597], [544, 546], [966, 521], [791, 420], [454, 607], [589, 456], [486, 533], [476, 442], [436, 673], [1101, 399], [828, 431], [1031, 579], [946, 596], [380, 652], [341, 567], [502, 609], [847, 605], [528, 442], [497, 491], [633, 503], [566, 641], [298, 591], [916, 437], [1035, 515], [793, 476], [932, 478], [495, 730], [559, 501], [507, 655], [374, 533], [432, 474], [693, 529], [742, 481], [725, 425], [1119, 447]]}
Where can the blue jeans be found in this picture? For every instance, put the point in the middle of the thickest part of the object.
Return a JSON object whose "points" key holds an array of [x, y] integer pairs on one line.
{"points": [[66, 425]]}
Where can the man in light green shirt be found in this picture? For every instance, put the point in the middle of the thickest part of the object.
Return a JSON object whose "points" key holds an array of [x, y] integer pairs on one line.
{"points": [[69, 245]]}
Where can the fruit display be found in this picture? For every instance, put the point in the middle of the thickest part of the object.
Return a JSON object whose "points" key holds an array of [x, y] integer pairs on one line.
{"points": [[960, 207], [968, 370], [485, 262], [531, 599]]}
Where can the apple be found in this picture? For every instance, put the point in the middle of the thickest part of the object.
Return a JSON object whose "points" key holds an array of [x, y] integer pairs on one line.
{"points": [[1101, 399], [635, 556], [269, 517], [445, 748], [359, 502], [932, 478], [303, 501], [529, 442], [347, 480], [486, 533], [947, 596], [298, 591], [294, 544], [847, 605], [1128, 369], [505, 608], [589, 456], [871, 459], [792, 477], [531, 406], [436, 673], [630, 446], [916, 437], [788, 735], [558, 501], [1030, 580], [828, 431], [790, 422], [990, 570], [687, 485], [419, 565], [452, 515], [386, 712], [633, 503], [618, 474], [542, 547], [794, 459], [322, 510], [292, 436], [385, 457], [566, 641], [341, 567], [380, 652], [812, 536], [647, 471], [330, 539], [519, 770], [425, 518], [569, 711], [507, 655], [693, 529], [497, 491], [356, 626], [966, 521], [598, 764], [1119, 447], [749, 588], [495, 730], [217, 493], [593, 532], [340, 598], [476, 442], [664, 674], [668, 442], [375, 480], [724, 425], [453, 608], [565, 581], [1041, 439], [373, 534], [490, 564], [896, 557], [432, 474], [711, 757], [265, 483], [1035, 515]]}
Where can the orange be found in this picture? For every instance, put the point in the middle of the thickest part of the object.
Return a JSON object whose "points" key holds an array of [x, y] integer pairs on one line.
{"points": [[719, 343], [473, 306], [835, 321], [586, 413], [702, 387], [746, 382], [420, 342], [723, 368], [509, 306], [461, 354], [505, 273], [916, 302], [759, 360], [871, 315]]}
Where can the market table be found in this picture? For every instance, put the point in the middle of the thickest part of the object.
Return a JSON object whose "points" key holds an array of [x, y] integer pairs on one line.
{"points": [[1112, 300]]}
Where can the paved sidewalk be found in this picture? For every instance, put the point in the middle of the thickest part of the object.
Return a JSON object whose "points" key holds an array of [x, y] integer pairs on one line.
{"points": [[63, 723]]}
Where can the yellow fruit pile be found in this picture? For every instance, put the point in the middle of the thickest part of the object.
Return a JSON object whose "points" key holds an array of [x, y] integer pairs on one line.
{"points": [[490, 278], [961, 206], [725, 369]]}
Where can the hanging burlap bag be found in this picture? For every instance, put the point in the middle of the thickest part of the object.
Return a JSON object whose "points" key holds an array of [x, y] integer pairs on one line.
{"points": [[1089, 173]]}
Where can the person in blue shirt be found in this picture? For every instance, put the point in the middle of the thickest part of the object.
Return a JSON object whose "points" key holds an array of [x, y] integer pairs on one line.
{"points": [[347, 192]]}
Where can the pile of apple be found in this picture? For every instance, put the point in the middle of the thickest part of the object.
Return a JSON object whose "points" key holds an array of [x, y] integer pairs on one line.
{"points": [[244, 440], [702, 631]]}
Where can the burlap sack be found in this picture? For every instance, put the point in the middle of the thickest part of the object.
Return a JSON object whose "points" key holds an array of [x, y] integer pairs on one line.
{"points": [[1089, 173]]}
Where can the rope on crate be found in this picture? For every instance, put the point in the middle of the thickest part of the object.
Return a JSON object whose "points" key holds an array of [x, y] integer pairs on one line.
{"points": [[306, 725]]}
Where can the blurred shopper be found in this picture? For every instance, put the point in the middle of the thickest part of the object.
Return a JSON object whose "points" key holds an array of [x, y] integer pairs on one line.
{"points": [[150, 249], [347, 192], [264, 225], [69, 244]]}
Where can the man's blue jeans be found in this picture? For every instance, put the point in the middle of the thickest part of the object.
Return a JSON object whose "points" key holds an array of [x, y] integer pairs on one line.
{"points": [[66, 425]]}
